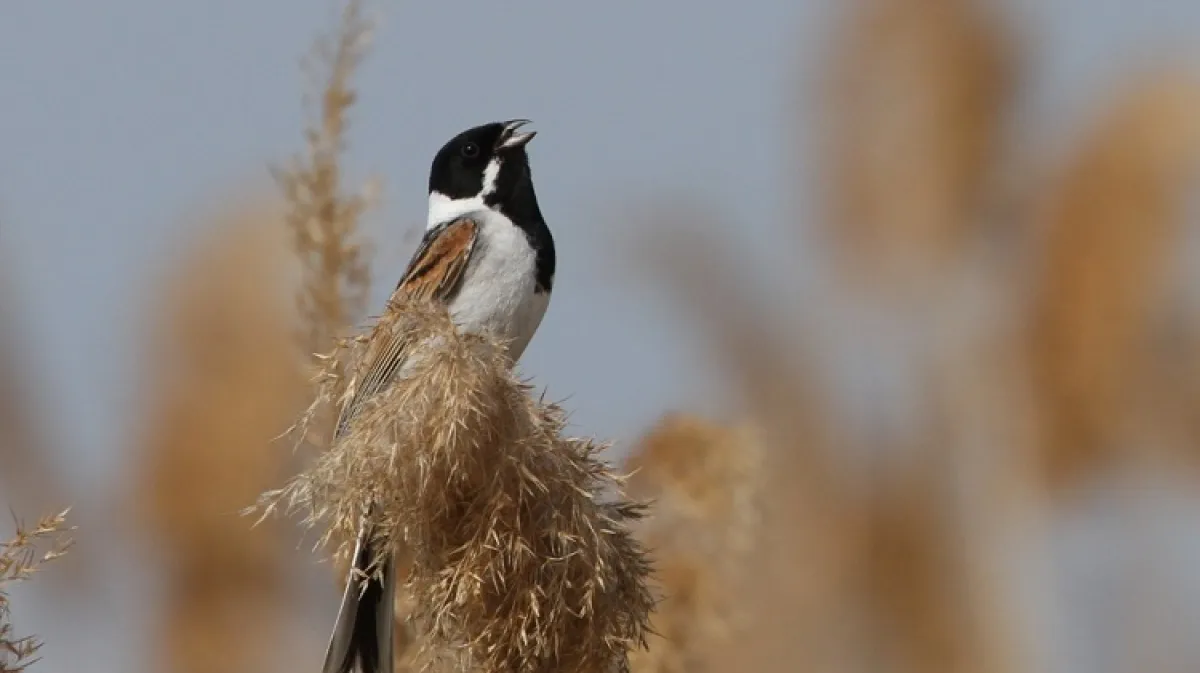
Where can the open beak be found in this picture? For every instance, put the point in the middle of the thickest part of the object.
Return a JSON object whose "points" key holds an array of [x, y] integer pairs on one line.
{"points": [[511, 138]]}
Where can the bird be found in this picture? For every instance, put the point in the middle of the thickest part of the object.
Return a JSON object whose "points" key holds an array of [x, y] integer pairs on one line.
{"points": [[487, 255]]}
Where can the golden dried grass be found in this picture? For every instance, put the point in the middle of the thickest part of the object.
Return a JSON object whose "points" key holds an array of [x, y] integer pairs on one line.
{"points": [[917, 94], [20, 557], [324, 221], [326, 224], [522, 560], [1111, 226], [224, 381]]}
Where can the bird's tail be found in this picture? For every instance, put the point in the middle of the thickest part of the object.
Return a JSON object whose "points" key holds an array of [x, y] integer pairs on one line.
{"points": [[363, 633]]}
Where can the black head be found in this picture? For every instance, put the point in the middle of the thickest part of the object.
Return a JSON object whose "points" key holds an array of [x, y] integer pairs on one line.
{"points": [[487, 161], [487, 167]]}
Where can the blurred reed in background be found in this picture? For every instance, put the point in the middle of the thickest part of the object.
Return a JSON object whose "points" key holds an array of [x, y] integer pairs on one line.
{"points": [[1111, 352], [30, 479], [913, 548], [703, 479], [917, 91], [223, 381], [232, 380]]}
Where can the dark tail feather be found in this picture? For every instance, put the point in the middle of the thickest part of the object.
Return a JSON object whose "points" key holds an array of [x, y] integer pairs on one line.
{"points": [[364, 630]]}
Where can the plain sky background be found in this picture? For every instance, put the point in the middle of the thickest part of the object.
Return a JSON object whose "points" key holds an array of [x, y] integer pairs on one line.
{"points": [[119, 117]]}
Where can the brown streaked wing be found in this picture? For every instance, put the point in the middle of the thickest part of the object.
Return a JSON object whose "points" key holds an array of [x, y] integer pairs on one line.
{"points": [[434, 274], [437, 266]]}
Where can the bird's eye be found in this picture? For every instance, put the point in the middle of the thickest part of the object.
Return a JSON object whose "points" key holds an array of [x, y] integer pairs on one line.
{"points": [[470, 150]]}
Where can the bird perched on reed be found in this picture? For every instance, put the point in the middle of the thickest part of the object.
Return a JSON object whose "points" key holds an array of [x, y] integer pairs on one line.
{"points": [[488, 257]]}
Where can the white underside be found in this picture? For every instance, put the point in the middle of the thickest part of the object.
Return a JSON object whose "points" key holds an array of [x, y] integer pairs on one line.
{"points": [[497, 294]]}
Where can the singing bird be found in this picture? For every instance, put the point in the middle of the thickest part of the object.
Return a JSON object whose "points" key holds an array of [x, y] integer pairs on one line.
{"points": [[488, 256]]}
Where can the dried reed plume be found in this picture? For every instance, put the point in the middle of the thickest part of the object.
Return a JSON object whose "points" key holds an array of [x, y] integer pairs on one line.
{"points": [[521, 557], [19, 560], [325, 225], [704, 481], [918, 93], [1112, 227], [224, 381], [323, 220]]}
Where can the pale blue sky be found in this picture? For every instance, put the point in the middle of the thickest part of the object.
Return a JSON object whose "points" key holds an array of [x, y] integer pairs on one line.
{"points": [[120, 116]]}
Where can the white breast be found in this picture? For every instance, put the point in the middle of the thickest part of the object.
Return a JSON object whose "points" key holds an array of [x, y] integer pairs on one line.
{"points": [[498, 288]]}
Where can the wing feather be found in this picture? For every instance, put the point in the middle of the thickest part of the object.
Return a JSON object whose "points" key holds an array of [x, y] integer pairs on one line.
{"points": [[434, 274]]}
